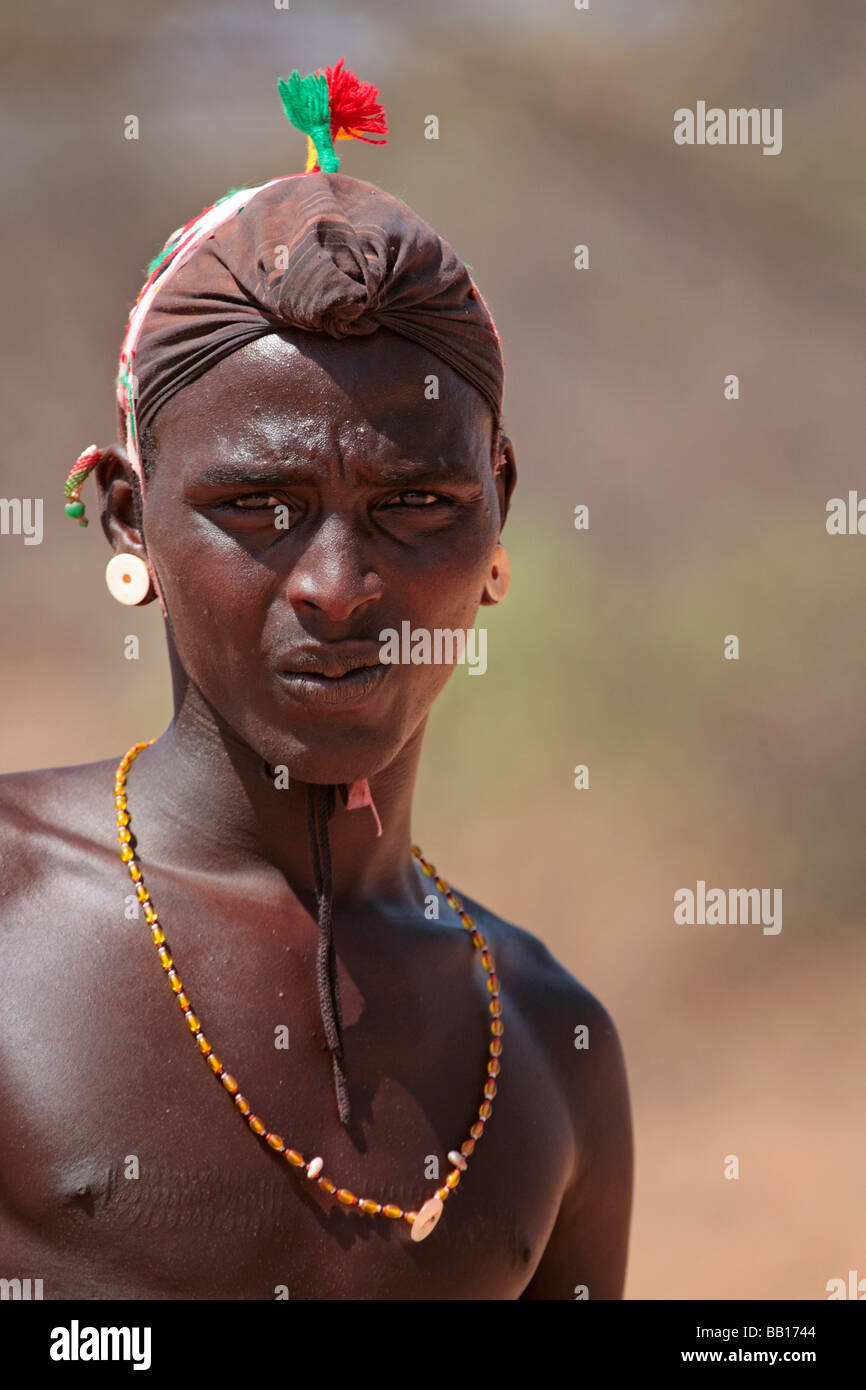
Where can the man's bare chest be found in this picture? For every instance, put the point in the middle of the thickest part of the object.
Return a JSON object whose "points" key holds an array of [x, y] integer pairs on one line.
{"points": [[129, 1172]]}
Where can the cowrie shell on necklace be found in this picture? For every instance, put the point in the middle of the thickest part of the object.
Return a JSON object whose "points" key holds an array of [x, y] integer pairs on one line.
{"points": [[128, 578], [426, 1219]]}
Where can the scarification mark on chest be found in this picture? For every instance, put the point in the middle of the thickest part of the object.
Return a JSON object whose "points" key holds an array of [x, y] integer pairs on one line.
{"points": [[504, 1238], [169, 1198], [212, 1199]]}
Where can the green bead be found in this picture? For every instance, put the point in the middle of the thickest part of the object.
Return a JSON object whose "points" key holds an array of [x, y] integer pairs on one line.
{"points": [[74, 508]]}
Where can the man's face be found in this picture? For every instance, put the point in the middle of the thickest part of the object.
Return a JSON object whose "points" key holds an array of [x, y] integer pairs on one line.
{"points": [[393, 515]]}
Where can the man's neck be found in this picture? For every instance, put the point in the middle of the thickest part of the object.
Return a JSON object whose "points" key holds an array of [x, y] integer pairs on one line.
{"points": [[202, 802]]}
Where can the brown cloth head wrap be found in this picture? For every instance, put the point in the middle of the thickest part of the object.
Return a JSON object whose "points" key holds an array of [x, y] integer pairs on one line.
{"points": [[322, 252]]}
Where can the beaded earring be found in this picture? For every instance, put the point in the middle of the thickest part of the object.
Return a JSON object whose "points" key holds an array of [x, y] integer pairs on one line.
{"points": [[86, 461]]}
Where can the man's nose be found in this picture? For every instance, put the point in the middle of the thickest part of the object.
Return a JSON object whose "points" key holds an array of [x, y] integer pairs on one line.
{"points": [[335, 574]]}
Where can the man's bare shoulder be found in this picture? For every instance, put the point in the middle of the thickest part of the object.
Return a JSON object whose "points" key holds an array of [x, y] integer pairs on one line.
{"points": [[531, 972], [54, 797], [44, 814]]}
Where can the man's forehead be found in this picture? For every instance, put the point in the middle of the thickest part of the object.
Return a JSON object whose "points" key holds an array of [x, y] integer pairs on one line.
{"points": [[306, 394], [380, 364]]}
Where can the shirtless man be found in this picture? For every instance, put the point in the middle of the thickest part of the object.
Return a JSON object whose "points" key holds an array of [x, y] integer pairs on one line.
{"points": [[125, 1169]]}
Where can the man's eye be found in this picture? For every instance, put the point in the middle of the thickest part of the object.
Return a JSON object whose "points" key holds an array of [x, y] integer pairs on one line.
{"points": [[239, 503], [414, 498], [417, 499]]}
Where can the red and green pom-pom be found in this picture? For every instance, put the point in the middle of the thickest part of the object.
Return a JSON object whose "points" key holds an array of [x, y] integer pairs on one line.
{"points": [[332, 106]]}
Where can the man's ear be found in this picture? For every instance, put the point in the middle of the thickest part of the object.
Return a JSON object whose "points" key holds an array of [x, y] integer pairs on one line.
{"points": [[505, 476], [119, 497]]}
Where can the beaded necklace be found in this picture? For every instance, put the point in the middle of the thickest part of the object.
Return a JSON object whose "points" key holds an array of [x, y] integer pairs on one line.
{"points": [[426, 1217]]}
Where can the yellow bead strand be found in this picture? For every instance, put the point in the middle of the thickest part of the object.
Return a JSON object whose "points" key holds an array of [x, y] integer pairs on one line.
{"points": [[426, 1217]]}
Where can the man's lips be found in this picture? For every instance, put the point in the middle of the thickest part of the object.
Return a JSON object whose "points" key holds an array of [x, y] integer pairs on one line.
{"points": [[332, 678], [329, 661]]}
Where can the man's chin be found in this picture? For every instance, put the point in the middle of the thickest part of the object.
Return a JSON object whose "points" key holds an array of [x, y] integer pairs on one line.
{"points": [[336, 757]]}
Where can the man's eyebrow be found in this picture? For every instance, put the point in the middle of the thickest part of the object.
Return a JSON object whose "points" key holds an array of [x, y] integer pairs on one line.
{"points": [[301, 471]]}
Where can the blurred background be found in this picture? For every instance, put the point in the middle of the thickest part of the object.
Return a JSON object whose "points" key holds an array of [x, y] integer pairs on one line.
{"points": [[707, 517]]}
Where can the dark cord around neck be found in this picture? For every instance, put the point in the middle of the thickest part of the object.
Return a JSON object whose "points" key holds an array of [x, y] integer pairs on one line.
{"points": [[320, 807]]}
